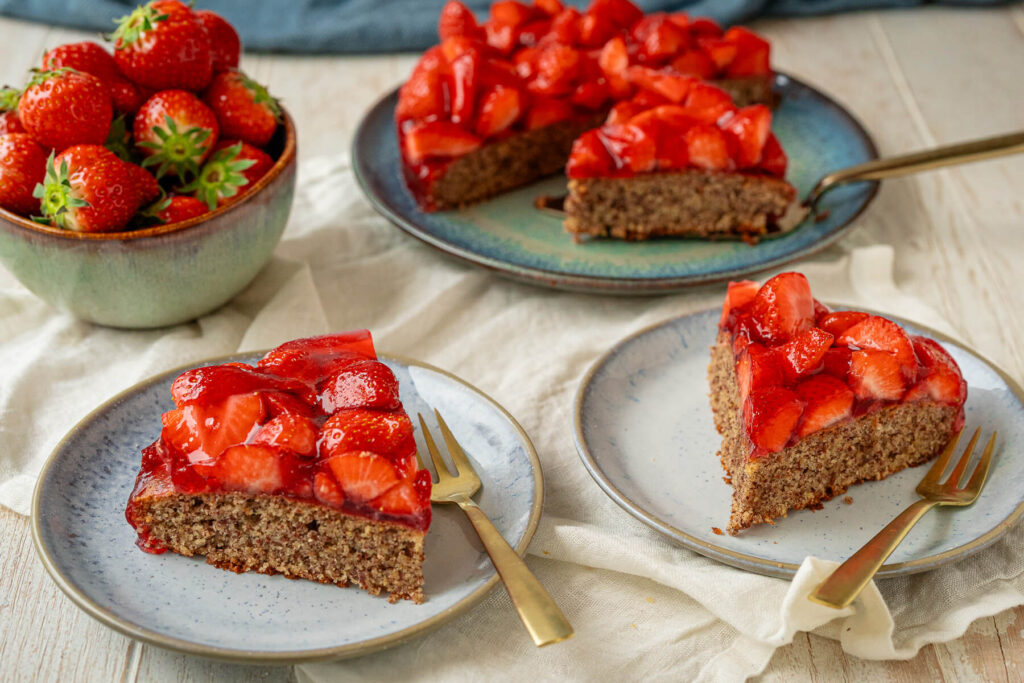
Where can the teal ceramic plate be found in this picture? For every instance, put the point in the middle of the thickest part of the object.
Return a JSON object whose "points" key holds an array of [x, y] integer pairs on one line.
{"points": [[644, 431], [184, 604], [511, 237]]}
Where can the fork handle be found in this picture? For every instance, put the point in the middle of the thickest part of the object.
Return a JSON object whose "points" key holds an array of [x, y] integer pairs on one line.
{"points": [[849, 578], [538, 611]]}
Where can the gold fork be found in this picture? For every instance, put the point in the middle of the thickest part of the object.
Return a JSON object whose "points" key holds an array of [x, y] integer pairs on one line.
{"points": [[849, 578], [538, 611]]}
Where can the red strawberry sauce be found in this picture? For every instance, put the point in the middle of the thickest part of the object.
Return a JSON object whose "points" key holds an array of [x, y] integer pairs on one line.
{"points": [[238, 427]]}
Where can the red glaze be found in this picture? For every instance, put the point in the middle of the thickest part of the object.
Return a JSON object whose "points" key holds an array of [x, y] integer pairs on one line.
{"points": [[801, 368], [317, 420], [535, 65]]}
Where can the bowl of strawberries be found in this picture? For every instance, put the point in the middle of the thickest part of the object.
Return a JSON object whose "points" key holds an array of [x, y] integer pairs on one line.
{"points": [[146, 185]]}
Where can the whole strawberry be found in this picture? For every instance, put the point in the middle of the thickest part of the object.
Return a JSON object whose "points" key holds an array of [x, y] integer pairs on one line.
{"points": [[92, 59], [176, 132], [163, 45], [9, 121], [22, 165], [233, 168], [179, 208], [244, 108], [88, 189], [225, 46], [65, 107], [81, 157]]}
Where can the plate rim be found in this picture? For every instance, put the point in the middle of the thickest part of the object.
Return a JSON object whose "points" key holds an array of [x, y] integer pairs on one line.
{"points": [[145, 635], [753, 563], [601, 284]]}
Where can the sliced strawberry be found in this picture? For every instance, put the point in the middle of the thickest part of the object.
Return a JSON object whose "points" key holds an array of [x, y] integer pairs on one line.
{"points": [[230, 423], [702, 27], [501, 37], [694, 63], [256, 469], [181, 429], [510, 12], [557, 67], [707, 148], [769, 416], [500, 107], [313, 358], [421, 97], [707, 104], [614, 58], [663, 40], [882, 334], [942, 380], [757, 368], [840, 321], [326, 490], [721, 52], [589, 157], [876, 375], [388, 434], [820, 311], [753, 53], [465, 81], [674, 87], [405, 466], [212, 384], [438, 139], [827, 401], [590, 95], [457, 20], [773, 157], [279, 403], [620, 13], [549, 7], [545, 111], [631, 145], [750, 127], [803, 354], [401, 499], [360, 384], [624, 112], [738, 295], [288, 432], [565, 27], [783, 308], [362, 476], [837, 362]]}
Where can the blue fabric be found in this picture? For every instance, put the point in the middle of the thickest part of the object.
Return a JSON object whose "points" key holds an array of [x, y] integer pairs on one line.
{"points": [[392, 25]]}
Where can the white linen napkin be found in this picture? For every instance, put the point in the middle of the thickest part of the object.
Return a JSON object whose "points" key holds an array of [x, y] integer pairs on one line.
{"points": [[643, 608]]}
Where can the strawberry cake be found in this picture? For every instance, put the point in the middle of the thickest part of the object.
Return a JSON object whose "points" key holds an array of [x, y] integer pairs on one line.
{"points": [[303, 465], [498, 105], [811, 401], [678, 159]]}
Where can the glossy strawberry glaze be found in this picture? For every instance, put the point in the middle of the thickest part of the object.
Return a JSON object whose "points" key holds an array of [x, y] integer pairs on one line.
{"points": [[533, 66], [316, 420], [801, 367]]}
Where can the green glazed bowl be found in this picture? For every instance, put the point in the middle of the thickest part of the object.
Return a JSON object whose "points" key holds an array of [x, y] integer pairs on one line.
{"points": [[157, 276]]}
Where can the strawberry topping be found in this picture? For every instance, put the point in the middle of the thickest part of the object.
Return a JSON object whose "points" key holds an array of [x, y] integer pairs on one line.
{"points": [[801, 368]]}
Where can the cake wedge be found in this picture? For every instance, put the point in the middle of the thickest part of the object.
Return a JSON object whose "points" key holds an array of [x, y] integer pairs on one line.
{"points": [[811, 401], [302, 465]]}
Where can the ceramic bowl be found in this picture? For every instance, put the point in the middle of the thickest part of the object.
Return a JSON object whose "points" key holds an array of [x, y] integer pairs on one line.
{"points": [[157, 276]]}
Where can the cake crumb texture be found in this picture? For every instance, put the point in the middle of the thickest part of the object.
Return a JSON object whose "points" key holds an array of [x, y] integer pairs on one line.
{"points": [[300, 540]]}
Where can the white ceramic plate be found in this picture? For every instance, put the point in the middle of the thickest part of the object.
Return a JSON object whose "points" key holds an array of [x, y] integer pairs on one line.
{"points": [[184, 604], [645, 432]]}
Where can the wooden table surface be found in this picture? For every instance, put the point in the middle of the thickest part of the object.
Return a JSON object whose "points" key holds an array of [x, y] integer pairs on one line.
{"points": [[915, 78]]}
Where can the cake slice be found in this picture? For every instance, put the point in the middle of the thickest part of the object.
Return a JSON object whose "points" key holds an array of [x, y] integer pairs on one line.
{"points": [[679, 159], [810, 402], [302, 465], [498, 104]]}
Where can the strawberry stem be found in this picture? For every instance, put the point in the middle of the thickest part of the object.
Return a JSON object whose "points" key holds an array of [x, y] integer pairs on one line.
{"points": [[221, 176], [132, 27], [9, 99], [179, 151], [57, 195], [260, 95]]}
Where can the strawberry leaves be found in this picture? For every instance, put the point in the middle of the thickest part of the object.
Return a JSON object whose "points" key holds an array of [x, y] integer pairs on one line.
{"points": [[221, 177], [56, 194], [176, 150]]}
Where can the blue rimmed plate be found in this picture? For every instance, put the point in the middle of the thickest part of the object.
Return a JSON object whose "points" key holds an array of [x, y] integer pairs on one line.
{"points": [[509, 236], [183, 604], [644, 431]]}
